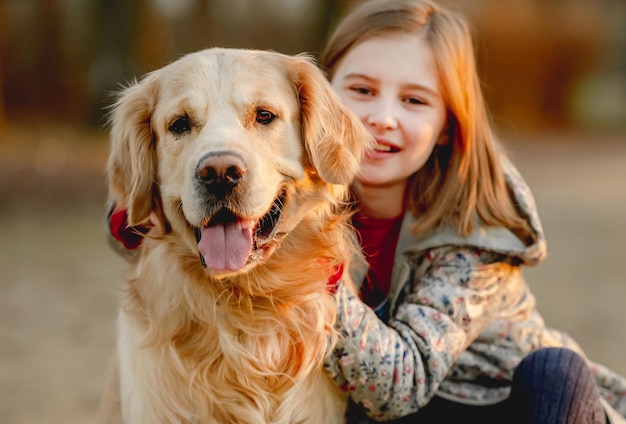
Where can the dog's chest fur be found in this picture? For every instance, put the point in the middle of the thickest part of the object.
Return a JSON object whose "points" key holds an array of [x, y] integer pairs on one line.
{"points": [[227, 355]]}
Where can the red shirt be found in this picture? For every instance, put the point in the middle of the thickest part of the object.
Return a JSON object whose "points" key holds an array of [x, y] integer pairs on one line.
{"points": [[379, 239]]}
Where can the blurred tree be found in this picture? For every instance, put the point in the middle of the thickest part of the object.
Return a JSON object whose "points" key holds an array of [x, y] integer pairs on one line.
{"points": [[2, 61], [534, 54], [39, 77], [111, 57]]}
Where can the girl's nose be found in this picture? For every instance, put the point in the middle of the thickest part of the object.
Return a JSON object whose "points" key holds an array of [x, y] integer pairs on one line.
{"points": [[382, 117]]}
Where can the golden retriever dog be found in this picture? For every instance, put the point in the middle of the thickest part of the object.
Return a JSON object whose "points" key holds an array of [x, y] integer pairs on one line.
{"points": [[242, 159]]}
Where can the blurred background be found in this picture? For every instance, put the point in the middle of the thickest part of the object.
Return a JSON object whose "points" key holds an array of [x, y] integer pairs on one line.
{"points": [[554, 74]]}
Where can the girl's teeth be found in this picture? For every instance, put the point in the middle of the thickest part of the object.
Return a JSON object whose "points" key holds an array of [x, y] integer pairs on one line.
{"points": [[382, 148]]}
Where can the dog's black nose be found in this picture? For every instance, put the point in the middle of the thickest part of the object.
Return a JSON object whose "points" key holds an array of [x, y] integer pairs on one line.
{"points": [[221, 171]]}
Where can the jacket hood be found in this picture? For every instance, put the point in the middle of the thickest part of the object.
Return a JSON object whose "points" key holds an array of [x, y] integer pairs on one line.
{"points": [[497, 239]]}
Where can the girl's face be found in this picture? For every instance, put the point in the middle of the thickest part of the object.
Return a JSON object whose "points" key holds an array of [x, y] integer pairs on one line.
{"points": [[391, 83]]}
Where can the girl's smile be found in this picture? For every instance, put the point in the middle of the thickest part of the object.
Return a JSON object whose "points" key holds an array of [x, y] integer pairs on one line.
{"points": [[383, 146]]}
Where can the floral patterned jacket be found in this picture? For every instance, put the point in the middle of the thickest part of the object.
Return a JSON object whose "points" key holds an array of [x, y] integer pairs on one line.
{"points": [[460, 319]]}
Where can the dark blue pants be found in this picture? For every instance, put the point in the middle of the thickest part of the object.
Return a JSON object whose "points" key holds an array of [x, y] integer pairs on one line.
{"points": [[556, 386], [550, 386]]}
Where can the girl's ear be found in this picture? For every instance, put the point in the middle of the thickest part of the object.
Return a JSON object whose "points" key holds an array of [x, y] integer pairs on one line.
{"points": [[131, 166], [334, 137]]}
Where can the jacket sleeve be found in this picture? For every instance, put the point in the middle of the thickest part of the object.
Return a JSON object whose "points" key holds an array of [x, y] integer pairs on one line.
{"points": [[450, 296]]}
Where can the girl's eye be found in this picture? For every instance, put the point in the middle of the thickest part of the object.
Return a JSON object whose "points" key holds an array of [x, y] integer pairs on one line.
{"points": [[361, 90], [264, 117], [180, 125], [415, 101]]}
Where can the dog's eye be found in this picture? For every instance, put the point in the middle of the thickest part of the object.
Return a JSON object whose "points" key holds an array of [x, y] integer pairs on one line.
{"points": [[264, 116], [180, 125]]}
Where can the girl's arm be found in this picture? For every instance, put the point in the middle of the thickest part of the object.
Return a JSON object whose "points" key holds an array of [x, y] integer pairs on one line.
{"points": [[393, 370]]}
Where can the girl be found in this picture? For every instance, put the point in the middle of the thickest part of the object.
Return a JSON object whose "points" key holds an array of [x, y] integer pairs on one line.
{"points": [[446, 222]]}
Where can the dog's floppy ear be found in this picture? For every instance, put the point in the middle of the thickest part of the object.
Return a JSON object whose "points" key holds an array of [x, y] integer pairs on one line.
{"points": [[334, 137], [131, 167]]}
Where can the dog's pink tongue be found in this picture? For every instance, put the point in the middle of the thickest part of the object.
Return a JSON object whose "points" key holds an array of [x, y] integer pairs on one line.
{"points": [[226, 247]]}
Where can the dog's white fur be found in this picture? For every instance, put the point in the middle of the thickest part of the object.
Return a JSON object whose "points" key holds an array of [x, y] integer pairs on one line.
{"points": [[242, 345]]}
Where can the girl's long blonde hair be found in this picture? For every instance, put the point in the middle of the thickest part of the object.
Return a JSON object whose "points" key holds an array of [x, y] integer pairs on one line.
{"points": [[462, 182]]}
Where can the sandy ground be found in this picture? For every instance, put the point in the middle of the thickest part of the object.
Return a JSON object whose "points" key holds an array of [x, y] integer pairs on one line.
{"points": [[59, 280]]}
